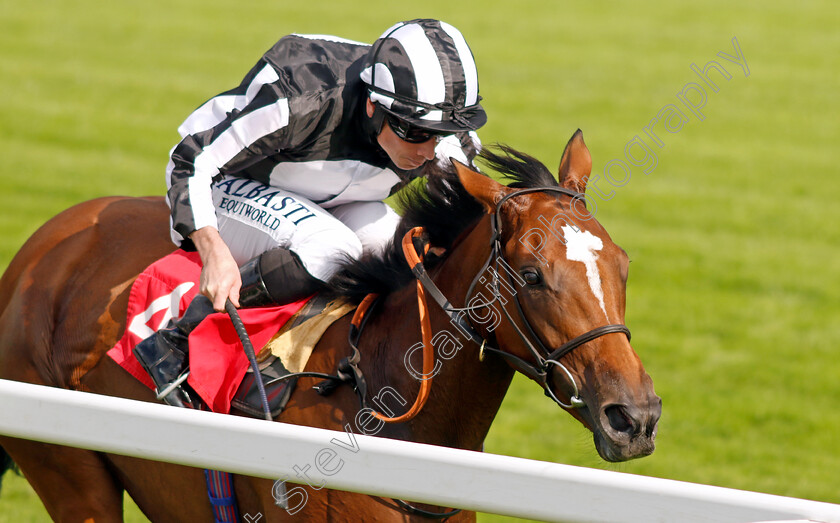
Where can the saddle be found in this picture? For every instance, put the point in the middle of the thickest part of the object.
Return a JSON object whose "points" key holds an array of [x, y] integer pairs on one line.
{"points": [[219, 369]]}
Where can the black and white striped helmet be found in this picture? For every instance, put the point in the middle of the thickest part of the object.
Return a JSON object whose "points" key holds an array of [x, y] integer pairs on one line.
{"points": [[422, 71]]}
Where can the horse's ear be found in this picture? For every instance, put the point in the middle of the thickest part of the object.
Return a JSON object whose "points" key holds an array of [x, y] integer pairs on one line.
{"points": [[576, 164], [486, 190]]}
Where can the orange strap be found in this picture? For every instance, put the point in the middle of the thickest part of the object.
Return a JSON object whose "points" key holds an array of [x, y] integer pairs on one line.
{"points": [[362, 309], [425, 329]]}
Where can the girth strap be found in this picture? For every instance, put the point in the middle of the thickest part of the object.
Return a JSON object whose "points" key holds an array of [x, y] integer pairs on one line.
{"points": [[220, 493]]}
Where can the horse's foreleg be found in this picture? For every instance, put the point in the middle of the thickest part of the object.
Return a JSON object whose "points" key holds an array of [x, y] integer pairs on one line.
{"points": [[74, 484]]}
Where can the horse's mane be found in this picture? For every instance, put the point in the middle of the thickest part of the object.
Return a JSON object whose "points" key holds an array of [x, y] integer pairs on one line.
{"points": [[445, 210]]}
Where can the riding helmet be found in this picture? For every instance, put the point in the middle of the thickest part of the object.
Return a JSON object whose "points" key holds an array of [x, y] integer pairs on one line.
{"points": [[423, 72]]}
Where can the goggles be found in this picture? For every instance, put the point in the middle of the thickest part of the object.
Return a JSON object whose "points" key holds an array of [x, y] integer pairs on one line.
{"points": [[411, 133]]}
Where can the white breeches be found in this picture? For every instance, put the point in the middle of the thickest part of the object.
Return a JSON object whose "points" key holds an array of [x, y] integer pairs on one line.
{"points": [[254, 218]]}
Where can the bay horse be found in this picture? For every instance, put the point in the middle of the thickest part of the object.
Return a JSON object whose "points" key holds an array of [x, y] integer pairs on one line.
{"points": [[63, 302]]}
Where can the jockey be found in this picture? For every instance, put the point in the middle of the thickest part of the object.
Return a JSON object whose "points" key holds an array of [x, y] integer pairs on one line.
{"points": [[280, 179]]}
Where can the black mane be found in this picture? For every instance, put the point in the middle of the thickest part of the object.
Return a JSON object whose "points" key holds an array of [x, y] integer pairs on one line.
{"points": [[521, 170], [445, 210]]}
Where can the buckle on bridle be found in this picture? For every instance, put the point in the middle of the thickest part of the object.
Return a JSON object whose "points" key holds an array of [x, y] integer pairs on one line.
{"points": [[481, 350]]}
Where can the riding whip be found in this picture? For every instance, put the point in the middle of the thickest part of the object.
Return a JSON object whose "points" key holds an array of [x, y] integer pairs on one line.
{"points": [[249, 352]]}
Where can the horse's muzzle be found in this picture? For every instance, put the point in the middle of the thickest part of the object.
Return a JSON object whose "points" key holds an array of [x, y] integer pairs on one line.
{"points": [[627, 431]]}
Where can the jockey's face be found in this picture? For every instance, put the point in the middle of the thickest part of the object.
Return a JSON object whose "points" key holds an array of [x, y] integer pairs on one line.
{"points": [[405, 155]]}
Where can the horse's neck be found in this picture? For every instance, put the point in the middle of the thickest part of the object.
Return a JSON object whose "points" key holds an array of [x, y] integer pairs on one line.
{"points": [[466, 394]]}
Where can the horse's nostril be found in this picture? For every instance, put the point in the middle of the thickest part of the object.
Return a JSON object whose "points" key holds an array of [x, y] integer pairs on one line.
{"points": [[619, 419]]}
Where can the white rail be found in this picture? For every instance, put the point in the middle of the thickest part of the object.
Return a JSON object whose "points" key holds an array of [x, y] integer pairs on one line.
{"points": [[423, 473]]}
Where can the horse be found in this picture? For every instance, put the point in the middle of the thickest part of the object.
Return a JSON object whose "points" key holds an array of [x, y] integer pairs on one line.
{"points": [[546, 294]]}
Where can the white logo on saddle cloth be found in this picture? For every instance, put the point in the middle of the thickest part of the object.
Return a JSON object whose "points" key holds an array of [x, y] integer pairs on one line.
{"points": [[169, 303], [581, 246]]}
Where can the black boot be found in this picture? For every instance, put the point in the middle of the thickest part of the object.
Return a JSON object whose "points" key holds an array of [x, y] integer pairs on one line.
{"points": [[253, 292], [164, 354], [280, 277]]}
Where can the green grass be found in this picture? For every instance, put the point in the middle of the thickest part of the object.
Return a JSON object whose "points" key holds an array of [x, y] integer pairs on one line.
{"points": [[734, 292], [20, 504]]}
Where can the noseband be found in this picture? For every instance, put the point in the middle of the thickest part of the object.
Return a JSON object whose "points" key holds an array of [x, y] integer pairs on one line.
{"points": [[544, 359]]}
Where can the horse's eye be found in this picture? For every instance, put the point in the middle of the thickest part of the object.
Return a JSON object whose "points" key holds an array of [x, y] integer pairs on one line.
{"points": [[531, 276]]}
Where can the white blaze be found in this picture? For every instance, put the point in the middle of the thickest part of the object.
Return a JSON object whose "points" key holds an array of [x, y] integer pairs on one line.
{"points": [[582, 246]]}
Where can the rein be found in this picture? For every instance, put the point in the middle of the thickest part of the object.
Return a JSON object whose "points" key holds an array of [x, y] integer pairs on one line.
{"points": [[360, 318]]}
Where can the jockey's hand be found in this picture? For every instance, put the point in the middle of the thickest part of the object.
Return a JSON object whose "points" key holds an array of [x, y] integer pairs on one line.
{"points": [[220, 278]]}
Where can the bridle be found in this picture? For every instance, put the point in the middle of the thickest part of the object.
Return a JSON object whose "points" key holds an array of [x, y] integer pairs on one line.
{"points": [[544, 359]]}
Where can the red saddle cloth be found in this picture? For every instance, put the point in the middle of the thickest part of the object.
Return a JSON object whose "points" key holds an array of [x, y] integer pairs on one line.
{"points": [[217, 361]]}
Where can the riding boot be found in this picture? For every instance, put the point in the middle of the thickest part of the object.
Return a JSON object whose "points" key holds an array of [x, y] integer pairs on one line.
{"points": [[253, 292], [279, 276], [164, 354]]}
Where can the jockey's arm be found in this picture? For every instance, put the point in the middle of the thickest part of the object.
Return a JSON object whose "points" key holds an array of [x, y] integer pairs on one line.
{"points": [[219, 274]]}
